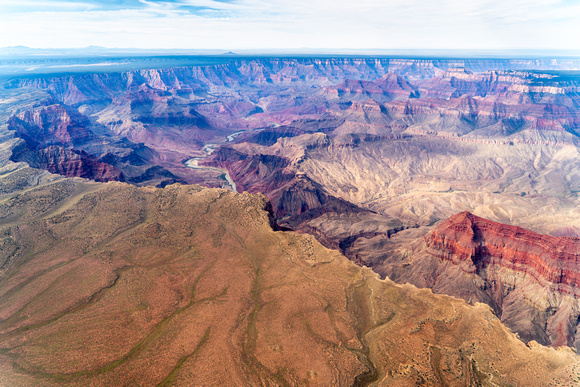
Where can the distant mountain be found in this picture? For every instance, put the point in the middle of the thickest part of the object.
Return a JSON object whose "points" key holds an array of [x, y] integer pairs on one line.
{"points": [[23, 52], [309, 52]]}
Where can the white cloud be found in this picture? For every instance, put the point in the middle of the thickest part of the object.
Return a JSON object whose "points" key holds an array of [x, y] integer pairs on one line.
{"points": [[242, 24], [10, 6]]}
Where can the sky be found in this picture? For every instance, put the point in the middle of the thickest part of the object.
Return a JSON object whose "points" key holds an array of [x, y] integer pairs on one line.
{"points": [[296, 24]]}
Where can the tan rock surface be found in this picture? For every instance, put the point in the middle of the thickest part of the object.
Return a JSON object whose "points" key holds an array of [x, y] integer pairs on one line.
{"points": [[115, 285]]}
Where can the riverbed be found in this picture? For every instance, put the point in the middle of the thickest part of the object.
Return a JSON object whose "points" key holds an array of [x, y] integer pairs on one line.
{"points": [[208, 149]]}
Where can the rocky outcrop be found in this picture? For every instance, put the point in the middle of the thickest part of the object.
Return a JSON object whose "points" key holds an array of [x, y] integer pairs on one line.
{"points": [[67, 162], [51, 125], [532, 281], [554, 262]]}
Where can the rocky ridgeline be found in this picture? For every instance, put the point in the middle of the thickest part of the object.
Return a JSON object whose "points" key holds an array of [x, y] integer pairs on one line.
{"points": [[85, 87], [111, 284], [518, 269], [552, 261]]}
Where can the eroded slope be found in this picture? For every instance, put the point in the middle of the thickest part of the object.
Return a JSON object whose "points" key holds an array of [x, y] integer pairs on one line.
{"points": [[112, 284], [529, 279]]}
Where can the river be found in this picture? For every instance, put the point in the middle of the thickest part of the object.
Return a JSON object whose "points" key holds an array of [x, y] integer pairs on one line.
{"points": [[208, 150]]}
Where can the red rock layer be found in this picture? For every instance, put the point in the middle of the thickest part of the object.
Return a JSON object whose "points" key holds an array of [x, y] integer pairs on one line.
{"points": [[51, 125], [466, 238], [69, 163]]}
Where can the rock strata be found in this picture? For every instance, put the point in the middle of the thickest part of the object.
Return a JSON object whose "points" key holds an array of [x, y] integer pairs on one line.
{"points": [[530, 280], [67, 162], [552, 261], [111, 284]]}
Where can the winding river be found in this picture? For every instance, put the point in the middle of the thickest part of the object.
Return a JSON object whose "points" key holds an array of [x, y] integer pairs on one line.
{"points": [[208, 150]]}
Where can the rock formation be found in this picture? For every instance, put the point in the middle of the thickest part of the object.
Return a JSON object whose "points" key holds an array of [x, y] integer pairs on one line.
{"points": [[529, 280], [554, 262], [519, 270], [66, 162], [103, 281], [51, 125], [365, 154]]}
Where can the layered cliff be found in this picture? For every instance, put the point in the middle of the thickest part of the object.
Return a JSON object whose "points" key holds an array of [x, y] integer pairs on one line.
{"points": [[66, 162], [554, 262], [51, 125], [530, 280]]}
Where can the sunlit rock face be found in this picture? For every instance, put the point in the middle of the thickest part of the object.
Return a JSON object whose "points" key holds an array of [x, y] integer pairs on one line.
{"points": [[521, 270], [552, 261], [530, 280]]}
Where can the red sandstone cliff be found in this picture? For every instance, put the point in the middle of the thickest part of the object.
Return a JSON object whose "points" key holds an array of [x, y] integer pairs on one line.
{"points": [[67, 162], [552, 261], [532, 281]]}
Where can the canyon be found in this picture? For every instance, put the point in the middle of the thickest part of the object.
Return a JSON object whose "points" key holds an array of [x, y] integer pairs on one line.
{"points": [[528, 279], [193, 285], [457, 175]]}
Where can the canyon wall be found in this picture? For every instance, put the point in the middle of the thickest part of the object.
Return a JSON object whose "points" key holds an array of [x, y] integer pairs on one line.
{"points": [[367, 155]]}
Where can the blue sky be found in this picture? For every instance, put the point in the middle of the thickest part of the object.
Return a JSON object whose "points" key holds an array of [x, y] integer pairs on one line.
{"points": [[260, 24]]}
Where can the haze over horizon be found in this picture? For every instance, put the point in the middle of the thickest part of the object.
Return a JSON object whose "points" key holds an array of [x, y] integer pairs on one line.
{"points": [[301, 24]]}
